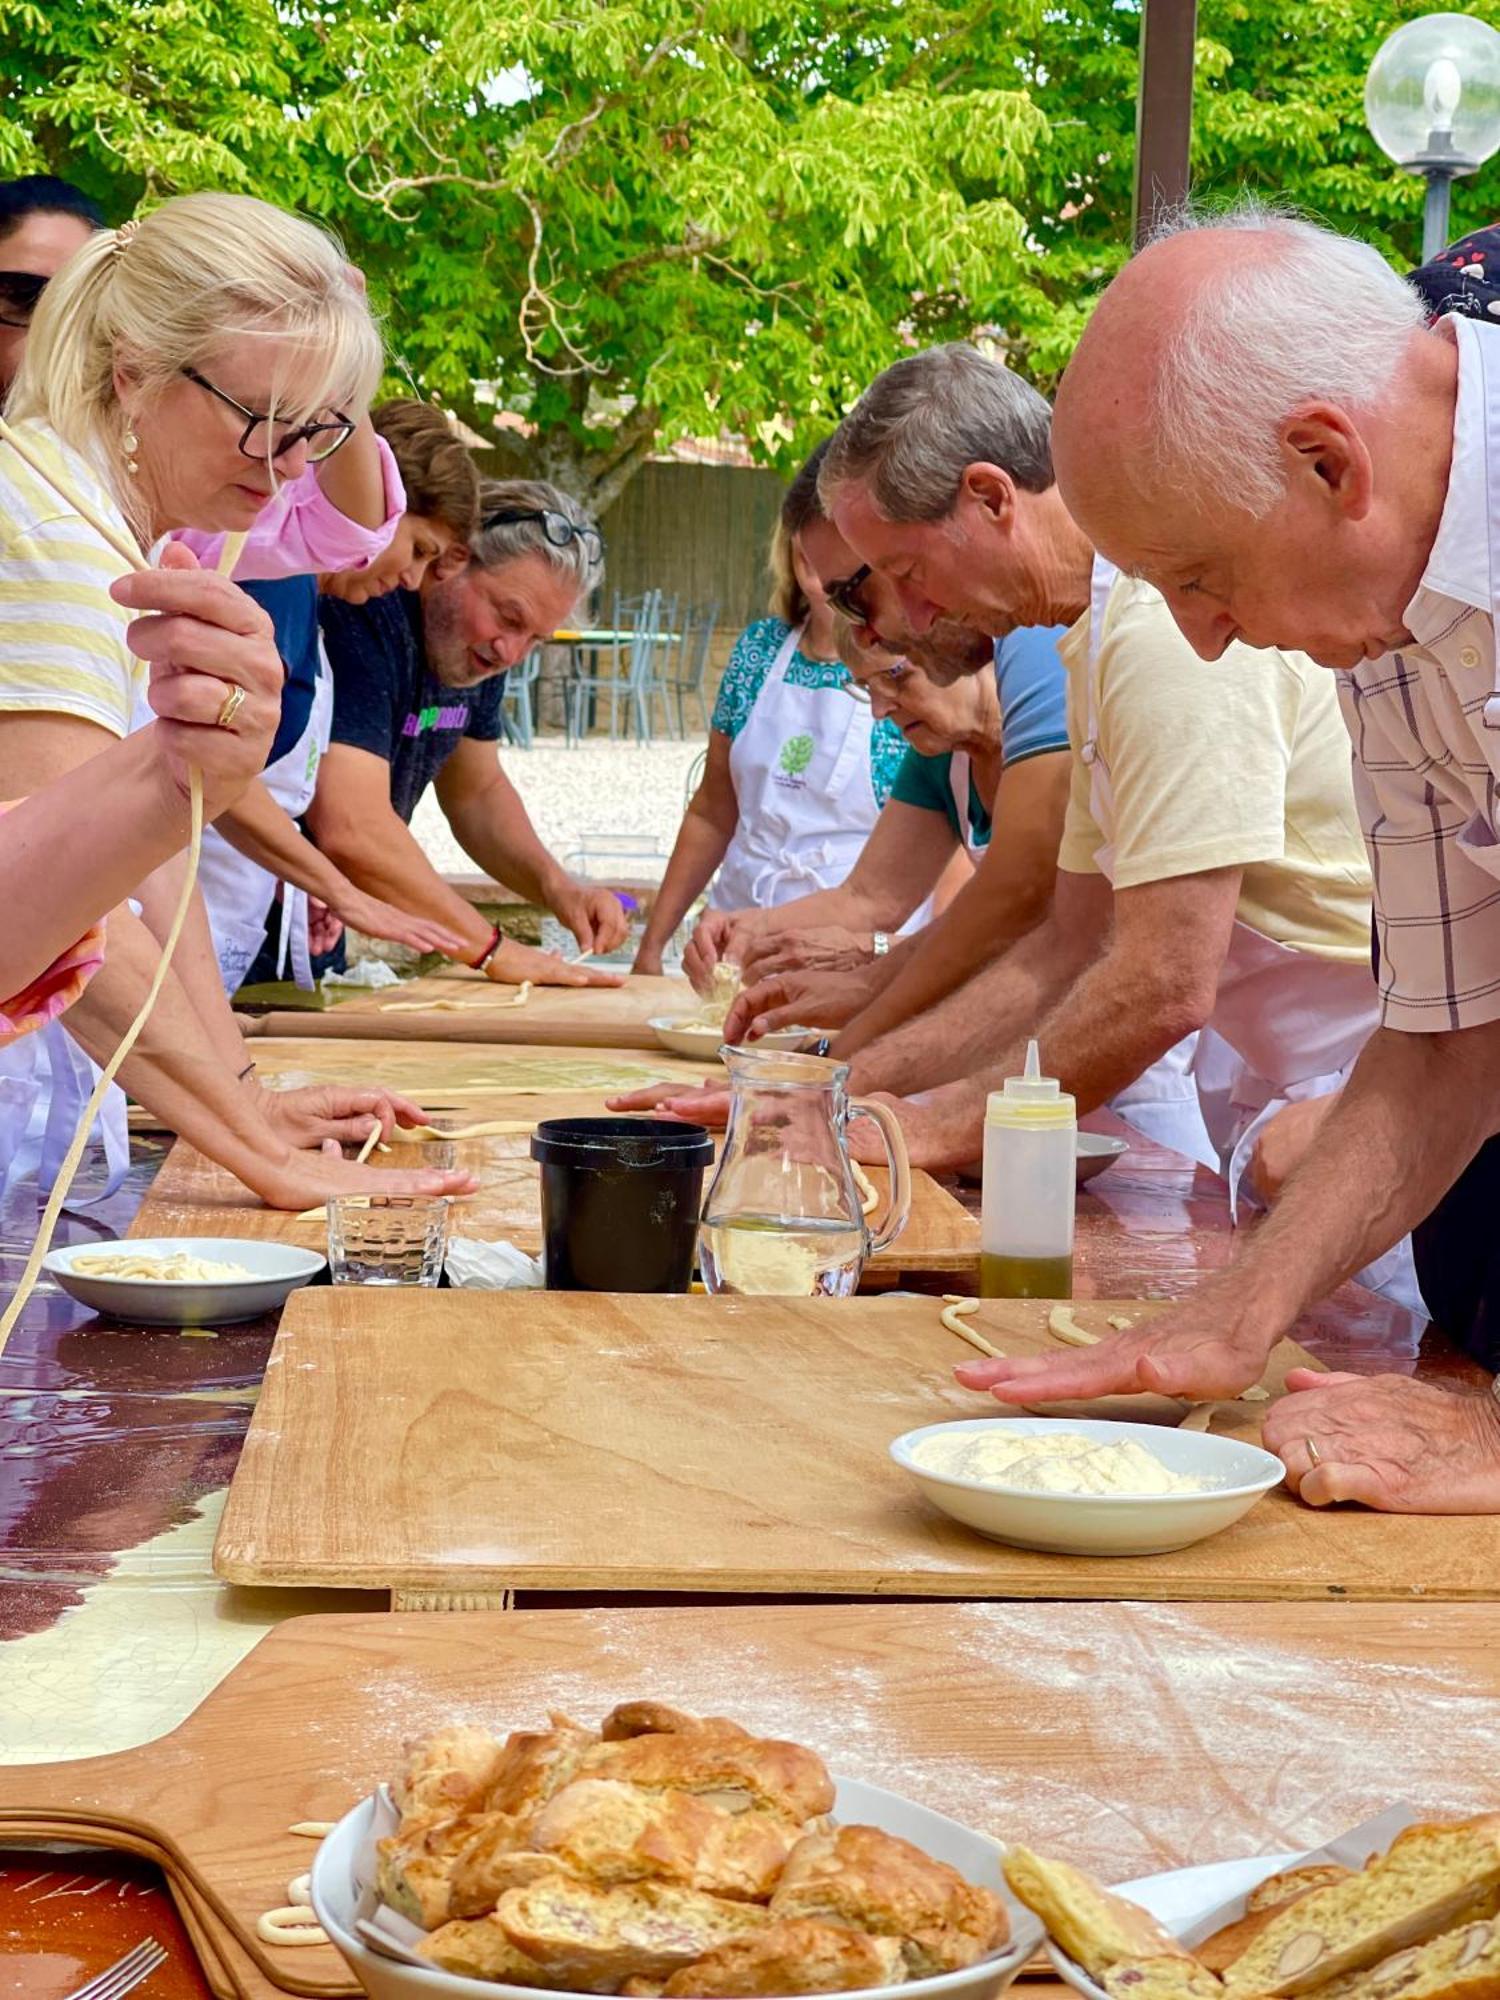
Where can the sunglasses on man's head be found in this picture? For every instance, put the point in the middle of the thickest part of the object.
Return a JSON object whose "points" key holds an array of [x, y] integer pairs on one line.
{"points": [[557, 528], [19, 292], [846, 595]]}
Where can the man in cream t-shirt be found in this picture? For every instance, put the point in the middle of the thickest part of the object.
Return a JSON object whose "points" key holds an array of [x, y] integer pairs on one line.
{"points": [[1212, 873], [1211, 876]]}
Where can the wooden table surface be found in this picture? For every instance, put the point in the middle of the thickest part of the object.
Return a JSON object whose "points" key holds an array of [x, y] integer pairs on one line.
{"points": [[587, 1443], [1127, 1738], [474, 1080], [464, 1085], [605, 1017]]}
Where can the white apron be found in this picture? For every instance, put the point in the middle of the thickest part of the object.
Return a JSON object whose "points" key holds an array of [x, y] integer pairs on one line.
{"points": [[1286, 1025], [240, 893], [807, 805]]}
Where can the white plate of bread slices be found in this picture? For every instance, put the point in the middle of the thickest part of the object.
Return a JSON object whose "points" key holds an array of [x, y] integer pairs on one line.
{"points": [[661, 1854], [1419, 1920]]}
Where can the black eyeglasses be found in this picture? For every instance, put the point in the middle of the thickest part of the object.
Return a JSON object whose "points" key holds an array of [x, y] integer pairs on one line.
{"points": [[263, 439], [845, 595], [19, 292], [557, 528]]}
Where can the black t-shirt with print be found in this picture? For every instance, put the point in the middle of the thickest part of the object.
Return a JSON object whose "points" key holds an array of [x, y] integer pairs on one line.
{"points": [[385, 701]]}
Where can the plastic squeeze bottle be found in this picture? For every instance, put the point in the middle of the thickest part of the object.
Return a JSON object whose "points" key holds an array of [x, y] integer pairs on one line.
{"points": [[1026, 1225]]}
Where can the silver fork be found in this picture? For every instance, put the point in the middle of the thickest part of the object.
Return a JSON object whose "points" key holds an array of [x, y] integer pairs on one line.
{"points": [[125, 1974]]}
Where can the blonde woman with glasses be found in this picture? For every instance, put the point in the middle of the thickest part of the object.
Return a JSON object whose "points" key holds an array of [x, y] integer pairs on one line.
{"points": [[180, 374]]}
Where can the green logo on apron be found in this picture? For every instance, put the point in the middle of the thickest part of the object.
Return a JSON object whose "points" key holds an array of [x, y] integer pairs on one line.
{"points": [[796, 755]]}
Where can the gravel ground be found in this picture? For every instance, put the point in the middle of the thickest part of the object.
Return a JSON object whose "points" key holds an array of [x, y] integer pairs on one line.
{"points": [[595, 795]]}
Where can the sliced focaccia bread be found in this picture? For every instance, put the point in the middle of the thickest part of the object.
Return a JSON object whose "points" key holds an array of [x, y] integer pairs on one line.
{"points": [[655, 1718], [608, 1833], [485, 1868], [447, 1772], [1462, 1964], [479, 1949], [739, 1773], [1290, 1883], [415, 1867], [1095, 1927], [875, 1882], [1172, 1978], [533, 1764], [799, 1956], [595, 1939], [1432, 1878]]}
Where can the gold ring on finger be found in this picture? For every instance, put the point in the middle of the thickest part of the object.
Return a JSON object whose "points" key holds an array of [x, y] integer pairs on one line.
{"points": [[1315, 1457], [234, 701]]}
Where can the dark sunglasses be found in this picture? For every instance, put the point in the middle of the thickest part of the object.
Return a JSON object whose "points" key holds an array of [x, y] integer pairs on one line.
{"points": [[263, 439], [19, 292], [557, 528], [844, 594]]}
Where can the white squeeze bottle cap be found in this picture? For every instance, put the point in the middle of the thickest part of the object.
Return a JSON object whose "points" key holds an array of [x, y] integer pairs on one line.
{"points": [[1030, 1099]]}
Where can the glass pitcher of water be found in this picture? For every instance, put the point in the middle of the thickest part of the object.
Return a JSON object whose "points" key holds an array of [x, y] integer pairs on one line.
{"points": [[784, 1216]]}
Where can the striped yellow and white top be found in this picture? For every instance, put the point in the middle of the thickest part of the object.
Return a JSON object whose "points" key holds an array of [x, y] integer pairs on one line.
{"points": [[62, 636]]}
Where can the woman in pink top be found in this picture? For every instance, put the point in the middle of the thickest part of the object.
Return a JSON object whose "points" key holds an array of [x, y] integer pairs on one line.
{"points": [[130, 803]]}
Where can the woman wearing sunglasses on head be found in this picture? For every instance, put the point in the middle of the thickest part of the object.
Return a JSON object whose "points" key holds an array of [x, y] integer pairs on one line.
{"points": [[110, 410], [796, 772]]}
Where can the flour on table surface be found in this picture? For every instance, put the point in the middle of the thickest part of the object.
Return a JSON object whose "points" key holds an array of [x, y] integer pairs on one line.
{"points": [[1189, 1749]]}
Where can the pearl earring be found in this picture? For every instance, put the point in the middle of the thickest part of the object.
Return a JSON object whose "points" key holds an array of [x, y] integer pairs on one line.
{"points": [[132, 445]]}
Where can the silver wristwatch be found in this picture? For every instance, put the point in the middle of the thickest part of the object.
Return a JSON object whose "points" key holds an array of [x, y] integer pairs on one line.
{"points": [[881, 941]]}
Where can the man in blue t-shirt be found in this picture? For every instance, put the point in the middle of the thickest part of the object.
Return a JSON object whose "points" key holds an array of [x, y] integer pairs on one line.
{"points": [[1012, 884], [418, 680]]}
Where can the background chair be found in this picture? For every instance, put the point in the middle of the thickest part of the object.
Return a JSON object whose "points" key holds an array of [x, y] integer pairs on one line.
{"points": [[630, 679], [517, 718], [688, 669]]}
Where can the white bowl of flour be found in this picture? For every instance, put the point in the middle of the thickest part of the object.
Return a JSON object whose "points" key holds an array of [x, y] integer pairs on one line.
{"points": [[1084, 1486]]}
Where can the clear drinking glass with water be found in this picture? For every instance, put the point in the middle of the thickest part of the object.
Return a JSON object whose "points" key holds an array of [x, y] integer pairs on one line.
{"points": [[783, 1217], [386, 1240]]}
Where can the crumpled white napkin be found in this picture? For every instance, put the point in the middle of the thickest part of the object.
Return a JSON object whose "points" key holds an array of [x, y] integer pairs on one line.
{"points": [[371, 972], [474, 1266]]}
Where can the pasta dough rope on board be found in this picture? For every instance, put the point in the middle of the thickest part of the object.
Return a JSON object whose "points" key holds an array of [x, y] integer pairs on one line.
{"points": [[955, 1311], [74, 1155], [518, 999], [1060, 1321]]}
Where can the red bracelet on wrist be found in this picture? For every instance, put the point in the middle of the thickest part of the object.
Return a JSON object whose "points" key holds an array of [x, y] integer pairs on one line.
{"points": [[497, 938]]}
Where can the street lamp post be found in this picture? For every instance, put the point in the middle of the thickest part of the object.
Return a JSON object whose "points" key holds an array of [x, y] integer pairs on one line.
{"points": [[1432, 103]]}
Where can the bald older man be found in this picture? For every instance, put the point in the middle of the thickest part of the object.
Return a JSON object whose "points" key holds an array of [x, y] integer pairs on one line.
{"points": [[1258, 422]]}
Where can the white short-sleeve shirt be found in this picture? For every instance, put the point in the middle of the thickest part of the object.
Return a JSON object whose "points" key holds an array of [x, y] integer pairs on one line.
{"points": [[1426, 727]]}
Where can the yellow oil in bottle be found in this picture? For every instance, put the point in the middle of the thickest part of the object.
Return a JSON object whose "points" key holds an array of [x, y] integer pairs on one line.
{"points": [[1025, 1277]]}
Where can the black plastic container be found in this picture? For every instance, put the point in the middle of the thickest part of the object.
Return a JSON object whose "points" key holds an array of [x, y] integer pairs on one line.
{"points": [[620, 1202]]}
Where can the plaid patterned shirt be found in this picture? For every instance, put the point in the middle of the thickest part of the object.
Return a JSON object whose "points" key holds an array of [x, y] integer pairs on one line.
{"points": [[1426, 728]]}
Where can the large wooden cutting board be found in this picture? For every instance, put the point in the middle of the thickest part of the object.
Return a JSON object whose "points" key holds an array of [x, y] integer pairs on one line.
{"points": [[601, 1017], [1128, 1738], [546, 1441], [473, 1081], [191, 1196]]}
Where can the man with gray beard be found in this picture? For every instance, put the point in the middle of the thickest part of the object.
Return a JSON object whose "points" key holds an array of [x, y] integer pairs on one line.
{"points": [[419, 677]]}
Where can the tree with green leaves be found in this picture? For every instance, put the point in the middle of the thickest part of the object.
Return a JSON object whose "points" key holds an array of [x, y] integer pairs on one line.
{"points": [[626, 222]]}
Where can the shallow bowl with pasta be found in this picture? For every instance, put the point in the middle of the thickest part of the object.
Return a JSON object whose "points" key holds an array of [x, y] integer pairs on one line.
{"points": [[701, 1041], [152, 1281], [343, 1893]]}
